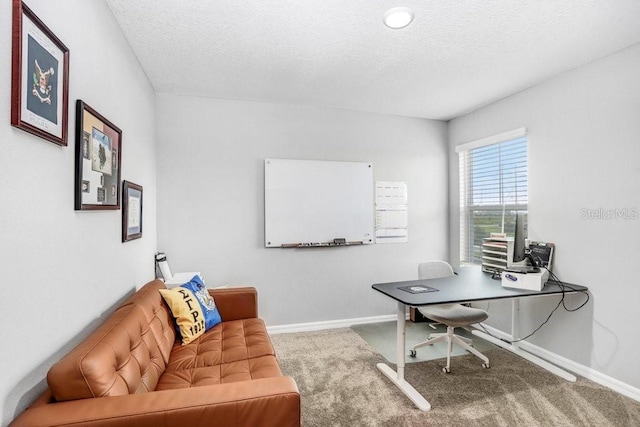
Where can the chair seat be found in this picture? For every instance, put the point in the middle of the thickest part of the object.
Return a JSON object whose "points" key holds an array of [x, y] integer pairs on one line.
{"points": [[454, 315], [451, 315]]}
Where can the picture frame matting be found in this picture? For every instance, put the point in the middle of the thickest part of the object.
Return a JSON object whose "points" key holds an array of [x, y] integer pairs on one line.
{"points": [[98, 159]]}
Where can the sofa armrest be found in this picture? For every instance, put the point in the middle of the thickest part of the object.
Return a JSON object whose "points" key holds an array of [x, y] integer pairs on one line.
{"points": [[236, 303], [265, 402]]}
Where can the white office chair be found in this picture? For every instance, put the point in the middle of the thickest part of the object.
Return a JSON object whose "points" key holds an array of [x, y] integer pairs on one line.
{"points": [[450, 315]]}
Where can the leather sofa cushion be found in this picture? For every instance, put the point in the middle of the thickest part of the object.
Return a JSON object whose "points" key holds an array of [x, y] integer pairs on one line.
{"points": [[157, 314], [121, 357], [242, 370], [224, 343], [238, 350]]}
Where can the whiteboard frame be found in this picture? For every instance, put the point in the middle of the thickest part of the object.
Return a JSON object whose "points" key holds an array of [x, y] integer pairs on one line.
{"points": [[309, 203]]}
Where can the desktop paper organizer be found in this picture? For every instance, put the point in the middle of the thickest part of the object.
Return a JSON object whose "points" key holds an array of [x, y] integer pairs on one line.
{"points": [[497, 253]]}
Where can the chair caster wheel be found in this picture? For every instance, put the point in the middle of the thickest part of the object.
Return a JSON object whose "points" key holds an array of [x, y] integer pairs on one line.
{"points": [[446, 370], [486, 366], [412, 353]]}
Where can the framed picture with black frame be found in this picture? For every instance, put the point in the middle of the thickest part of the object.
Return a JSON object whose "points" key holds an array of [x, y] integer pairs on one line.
{"points": [[39, 78], [131, 211], [98, 159]]}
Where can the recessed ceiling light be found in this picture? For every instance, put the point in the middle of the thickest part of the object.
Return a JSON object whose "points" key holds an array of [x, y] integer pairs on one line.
{"points": [[398, 17]]}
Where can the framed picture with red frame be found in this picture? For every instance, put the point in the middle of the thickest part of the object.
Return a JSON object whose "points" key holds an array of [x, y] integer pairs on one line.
{"points": [[98, 160], [39, 78]]}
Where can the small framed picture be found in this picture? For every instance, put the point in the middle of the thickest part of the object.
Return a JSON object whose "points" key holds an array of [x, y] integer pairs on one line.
{"points": [[131, 211], [39, 78], [98, 151]]}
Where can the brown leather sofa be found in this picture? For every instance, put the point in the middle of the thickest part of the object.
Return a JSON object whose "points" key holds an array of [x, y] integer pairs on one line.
{"points": [[132, 372]]}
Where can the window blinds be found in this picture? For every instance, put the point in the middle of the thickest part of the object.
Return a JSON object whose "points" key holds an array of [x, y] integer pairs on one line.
{"points": [[493, 186]]}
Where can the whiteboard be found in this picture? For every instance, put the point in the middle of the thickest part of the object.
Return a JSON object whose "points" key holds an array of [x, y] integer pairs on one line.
{"points": [[313, 202]]}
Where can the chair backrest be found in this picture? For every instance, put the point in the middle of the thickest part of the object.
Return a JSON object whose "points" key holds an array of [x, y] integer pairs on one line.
{"points": [[434, 270]]}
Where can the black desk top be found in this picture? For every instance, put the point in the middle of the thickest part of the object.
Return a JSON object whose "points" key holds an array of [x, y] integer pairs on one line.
{"points": [[471, 284]]}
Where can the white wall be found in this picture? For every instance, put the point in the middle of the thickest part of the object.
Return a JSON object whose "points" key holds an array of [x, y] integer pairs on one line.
{"points": [[211, 201], [62, 271], [584, 153]]}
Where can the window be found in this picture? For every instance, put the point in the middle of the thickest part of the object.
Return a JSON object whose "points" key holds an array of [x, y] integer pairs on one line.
{"points": [[493, 187]]}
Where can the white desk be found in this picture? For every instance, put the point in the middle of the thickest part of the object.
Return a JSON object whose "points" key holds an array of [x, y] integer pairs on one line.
{"points": [[470, 285]]}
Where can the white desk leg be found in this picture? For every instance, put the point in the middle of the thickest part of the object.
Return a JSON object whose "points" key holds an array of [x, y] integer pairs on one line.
{"points": [[398, 377], [515, 321], [401, 339], [516, 349]]}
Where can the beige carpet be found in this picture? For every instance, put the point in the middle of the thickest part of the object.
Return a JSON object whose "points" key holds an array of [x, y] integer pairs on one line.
{"points": [[341, 386]]}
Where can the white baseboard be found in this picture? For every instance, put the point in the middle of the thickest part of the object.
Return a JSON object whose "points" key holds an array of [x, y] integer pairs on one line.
{"points": [[584, 371]]}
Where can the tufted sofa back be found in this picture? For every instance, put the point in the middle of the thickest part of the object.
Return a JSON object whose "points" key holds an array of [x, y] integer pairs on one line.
{"points": [[127, 354]]}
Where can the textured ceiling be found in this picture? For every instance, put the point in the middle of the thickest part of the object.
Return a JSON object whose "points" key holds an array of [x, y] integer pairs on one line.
{"points": [[456, 56]]}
